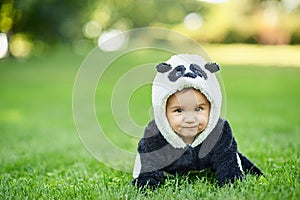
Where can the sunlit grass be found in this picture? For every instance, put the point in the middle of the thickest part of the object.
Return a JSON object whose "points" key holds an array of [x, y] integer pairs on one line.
{"points": [[259, 55], [41, 155]]}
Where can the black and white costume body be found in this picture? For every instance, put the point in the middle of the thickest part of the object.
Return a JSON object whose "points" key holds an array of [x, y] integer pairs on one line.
{"points": [[162, 150]]}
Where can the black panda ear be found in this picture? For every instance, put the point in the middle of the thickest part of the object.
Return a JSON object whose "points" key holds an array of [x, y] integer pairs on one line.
{"points": [[212, 67], [163, 67]]}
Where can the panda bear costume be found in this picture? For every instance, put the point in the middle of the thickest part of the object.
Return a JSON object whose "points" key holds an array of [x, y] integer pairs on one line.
{"points": [[162, 151]]}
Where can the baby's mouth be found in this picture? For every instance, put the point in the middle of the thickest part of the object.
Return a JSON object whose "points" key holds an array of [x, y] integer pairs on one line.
{"points": [[189, 127]]}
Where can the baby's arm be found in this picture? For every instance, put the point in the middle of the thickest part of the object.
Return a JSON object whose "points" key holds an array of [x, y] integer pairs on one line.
{"points": [[149, 160], [143, 179]]}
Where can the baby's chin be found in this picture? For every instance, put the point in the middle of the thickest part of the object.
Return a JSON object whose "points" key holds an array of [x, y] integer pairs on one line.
{"points": [[189, 132]]}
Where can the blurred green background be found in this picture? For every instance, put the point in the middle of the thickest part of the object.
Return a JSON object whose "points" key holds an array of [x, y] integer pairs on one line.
{"points": [[44, 42], [31, 26]]}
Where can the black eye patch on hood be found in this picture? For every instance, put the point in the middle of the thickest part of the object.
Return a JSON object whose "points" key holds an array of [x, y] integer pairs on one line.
{"points": [[176, 73], [198, 71]]}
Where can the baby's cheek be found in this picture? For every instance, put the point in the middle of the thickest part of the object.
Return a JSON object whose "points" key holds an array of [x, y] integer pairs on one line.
{"points": [[175, 121], [203, 120], [178, 121]]}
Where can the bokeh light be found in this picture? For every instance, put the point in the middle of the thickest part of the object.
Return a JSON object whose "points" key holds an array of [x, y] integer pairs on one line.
{"points": [[20, 46], [193, 21], [92, 29], [290, 5], [111, 40], [3, 45]]}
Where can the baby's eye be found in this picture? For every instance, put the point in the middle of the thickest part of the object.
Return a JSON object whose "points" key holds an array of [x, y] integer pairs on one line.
{"points": [[198, 109], [179, 110]]}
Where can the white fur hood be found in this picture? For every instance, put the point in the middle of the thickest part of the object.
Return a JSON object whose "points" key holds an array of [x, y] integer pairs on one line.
{"points": [[179, 72]]}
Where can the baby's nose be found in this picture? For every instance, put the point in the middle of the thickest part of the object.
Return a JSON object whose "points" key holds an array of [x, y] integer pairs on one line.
{"points": [[189, 117]]}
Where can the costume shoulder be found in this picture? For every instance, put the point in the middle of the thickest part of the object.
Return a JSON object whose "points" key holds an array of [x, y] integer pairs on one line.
{"points": [[227, 136], [226, 139], [220, 137], [152, 139]]}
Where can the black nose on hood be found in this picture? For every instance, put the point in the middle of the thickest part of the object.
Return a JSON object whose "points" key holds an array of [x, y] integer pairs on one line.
{"points": [[179, 71]]}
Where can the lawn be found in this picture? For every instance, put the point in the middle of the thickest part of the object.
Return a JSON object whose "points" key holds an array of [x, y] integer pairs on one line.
{"points": [[42, 157]]}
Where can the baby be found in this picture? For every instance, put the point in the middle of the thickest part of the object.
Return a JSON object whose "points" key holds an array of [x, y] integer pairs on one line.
{"points": [[188, 133]]}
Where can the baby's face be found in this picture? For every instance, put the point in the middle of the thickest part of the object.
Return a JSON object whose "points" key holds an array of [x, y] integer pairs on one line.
{"points": [[187, 112]]}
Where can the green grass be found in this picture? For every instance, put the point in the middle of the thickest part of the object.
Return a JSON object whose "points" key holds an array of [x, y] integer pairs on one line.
{"points": [[41, 156]]}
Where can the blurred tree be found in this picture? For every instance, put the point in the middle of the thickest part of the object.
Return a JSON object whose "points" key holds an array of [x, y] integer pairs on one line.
{"points": [[50, 21], [141, 13], [8, 16], [41, 21]]}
